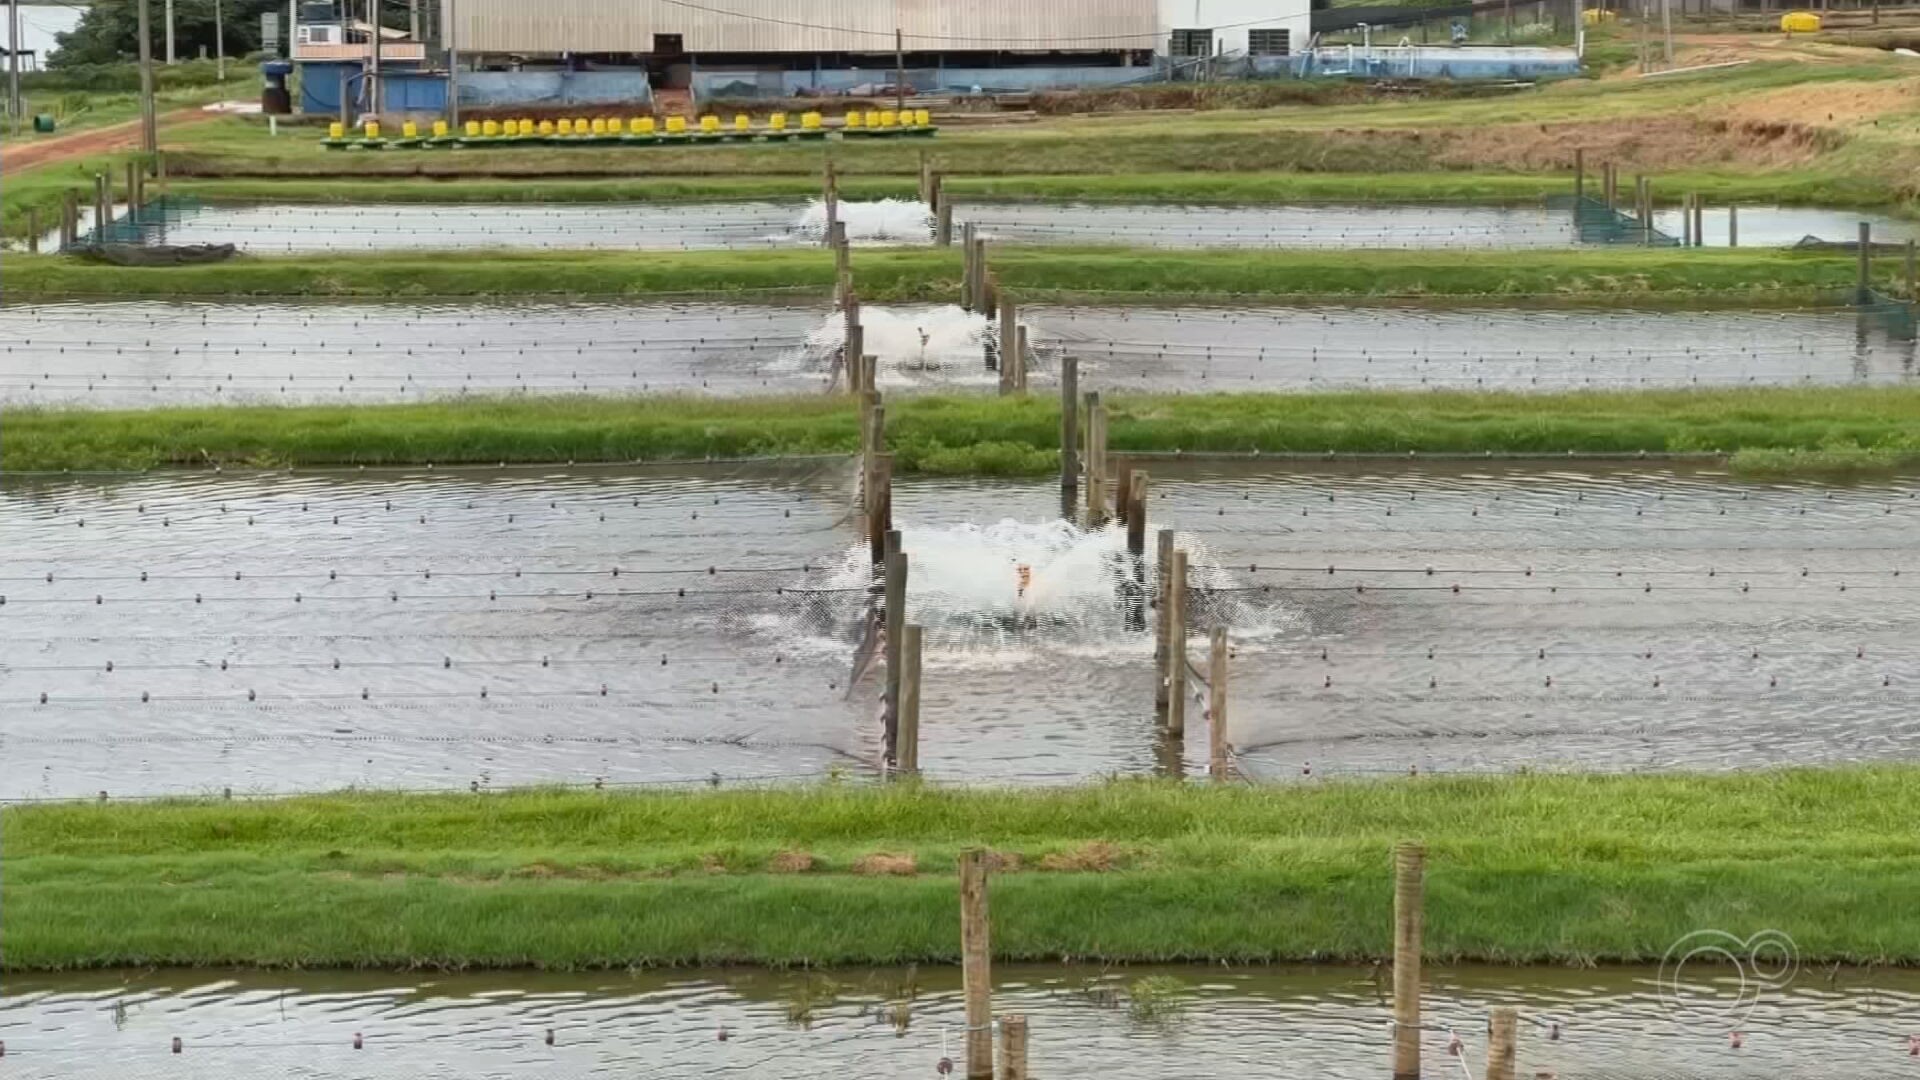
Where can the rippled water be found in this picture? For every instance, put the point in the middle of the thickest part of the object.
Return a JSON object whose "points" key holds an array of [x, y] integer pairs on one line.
{"points": [[1623, 617], [158, 353], [288, 227], [1327, 1023]]}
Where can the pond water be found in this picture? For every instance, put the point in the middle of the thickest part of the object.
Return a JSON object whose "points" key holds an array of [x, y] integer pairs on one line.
{"points": [[142, 354], [458, 628], [1324, 1023], [295, 227]]}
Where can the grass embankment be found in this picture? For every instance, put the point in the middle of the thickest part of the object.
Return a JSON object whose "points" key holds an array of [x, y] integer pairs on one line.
{"points": [[1524, 868], [1062, 273], [1841, 428]]}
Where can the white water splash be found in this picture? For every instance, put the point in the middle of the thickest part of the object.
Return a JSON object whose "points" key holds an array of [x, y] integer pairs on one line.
{"points": [[915, 345], [885, 221]]}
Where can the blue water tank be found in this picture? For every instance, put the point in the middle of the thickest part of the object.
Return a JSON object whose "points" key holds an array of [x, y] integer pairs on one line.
{"points": [[274, 97]]}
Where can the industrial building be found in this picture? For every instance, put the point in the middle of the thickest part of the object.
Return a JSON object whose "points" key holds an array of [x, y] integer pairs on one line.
{"points": [[586, 50]]}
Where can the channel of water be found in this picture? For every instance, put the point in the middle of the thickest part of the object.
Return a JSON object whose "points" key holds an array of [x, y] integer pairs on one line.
{"points": [[295, 227], [1149, 1023], [455, 628], [142, 354]]}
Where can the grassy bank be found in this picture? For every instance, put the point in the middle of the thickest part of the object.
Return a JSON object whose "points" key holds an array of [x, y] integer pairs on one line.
{"points": [[1848, 428], [1524, 868], [1171, 188], [1607, 276]]}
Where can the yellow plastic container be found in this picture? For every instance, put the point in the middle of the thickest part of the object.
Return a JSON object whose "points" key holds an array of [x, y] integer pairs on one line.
{"points": [[1800, 22], [546, 127], [439, 129], [580, 125], [709, 124], [645, 124], [889, 118], [853, 119], [473, 128], [598, 126], [509, 127], [778, 121], [336, 130], [634, 127], [566, 127], [676, 125], [372, 129], [873, 118], [809, 121], [490, 128], [923, 118], [741, 122], [526, 126], [410, 130]]}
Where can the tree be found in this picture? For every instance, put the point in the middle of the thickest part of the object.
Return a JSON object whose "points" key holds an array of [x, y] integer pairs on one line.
{"points": [[108, 33]]}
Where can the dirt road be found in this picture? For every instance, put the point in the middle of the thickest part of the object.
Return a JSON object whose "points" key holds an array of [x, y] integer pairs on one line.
{"points": [[28, 155]]}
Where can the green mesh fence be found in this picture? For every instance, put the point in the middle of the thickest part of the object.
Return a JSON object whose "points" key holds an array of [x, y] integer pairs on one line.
{"points": [[1597, 223], [143, 224]]}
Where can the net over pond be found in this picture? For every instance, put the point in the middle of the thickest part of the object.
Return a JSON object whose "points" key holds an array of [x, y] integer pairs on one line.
{"points": [[156, 353], [1137, 1023], [765, 224], [482, 628]]}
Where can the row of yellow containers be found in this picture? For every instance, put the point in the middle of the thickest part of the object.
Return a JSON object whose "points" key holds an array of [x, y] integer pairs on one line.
{"points": [[641, 125]]}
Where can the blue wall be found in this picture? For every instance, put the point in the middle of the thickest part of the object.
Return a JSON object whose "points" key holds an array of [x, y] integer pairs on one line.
{"points": [[497, 88], [406, 91], [740, 83]]}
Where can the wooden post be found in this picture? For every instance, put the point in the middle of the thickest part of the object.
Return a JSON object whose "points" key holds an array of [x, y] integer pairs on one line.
{"points": [[830, 185], [906, 750], [1217, 767], [1502, 1039], [1733, 225], [968, 300], [1096, 461], [880, 506], [1611, 183], [133, 192], [990, 295], [1409, 886], [976, 971], [1069, 427], [1020, 350], [102, 203], [33, 231], [1177, 644], [1163, 619], [1699, 220], [1013, 1048], [854, 349], [1686, 221], [1009, 343], [1122, 488], [896, 614], [842, 251], [943, 227], [1866, 263], [1579, 177], [869, 370], [982, 301], [1137, 513]]}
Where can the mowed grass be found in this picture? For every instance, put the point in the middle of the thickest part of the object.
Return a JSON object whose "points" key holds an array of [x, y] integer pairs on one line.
{"points": [[1561, 868], [1604, 275], [1857, 426]]}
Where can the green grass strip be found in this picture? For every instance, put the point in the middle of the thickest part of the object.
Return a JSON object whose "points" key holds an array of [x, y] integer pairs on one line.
{"points": [[1840, 428], [1616, 276], [1526, 868]]}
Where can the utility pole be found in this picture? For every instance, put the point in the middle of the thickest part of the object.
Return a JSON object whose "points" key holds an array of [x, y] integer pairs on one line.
{"points": [[149, 123], [169, 33], [449, 27], [413, 20], [1666, 23], [899, 73], [13, 63], [219, 42], [374, 88]]}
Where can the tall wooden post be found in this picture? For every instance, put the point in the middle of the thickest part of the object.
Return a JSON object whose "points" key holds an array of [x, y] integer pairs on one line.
{"points": [[1409, 887], [1163, 619], [1866, 263], [1020, 352], [830, 190], [1009, 342], [907, 740], [1137, 513], [981, 300], [102, 205], [1217, 764], [896, 616], [1013, 1048], [1502, 1043], [70, 220], [880, 506], [33, 231], [976, 971], [1579, 177], [943, 226], [133, 192], [1177, 644], [968, 300], [1069, 428], [1699, 220], [1122, 487], [1733, 225]]}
